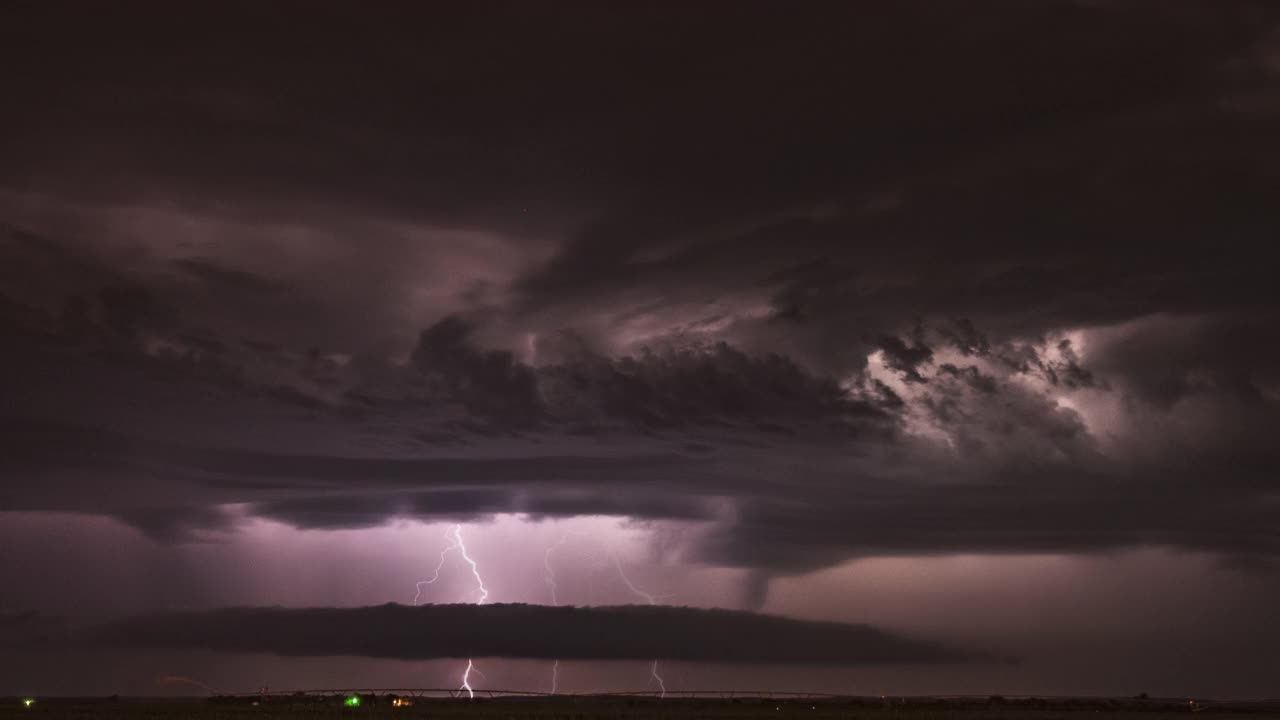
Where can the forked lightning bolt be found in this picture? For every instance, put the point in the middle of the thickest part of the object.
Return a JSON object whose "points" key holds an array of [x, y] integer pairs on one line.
{"points": [[462, 548], [456, 543], [484, 595], [453, 545], [652, 600], [649, 598], [551, 584]]}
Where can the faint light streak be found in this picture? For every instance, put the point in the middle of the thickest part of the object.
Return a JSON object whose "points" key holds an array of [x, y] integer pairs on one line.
{"points": [[551, 574], [662, 685], [652, 600], [647, 597], [555, 601]]}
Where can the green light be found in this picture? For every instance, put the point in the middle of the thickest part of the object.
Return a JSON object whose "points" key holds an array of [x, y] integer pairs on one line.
{"points": [[28, 702], [353, 701]]}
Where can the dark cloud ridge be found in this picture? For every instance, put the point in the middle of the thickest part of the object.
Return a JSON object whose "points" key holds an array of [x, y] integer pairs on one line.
{"points": [[524, 631]]}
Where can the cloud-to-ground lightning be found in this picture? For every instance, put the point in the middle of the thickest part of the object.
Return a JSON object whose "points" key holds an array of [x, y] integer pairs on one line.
{"points": [[551, 585], [551, 574], [662, 685], [453, 545], [652, 600], [456, 543], [466, 679], [648, 597], [484, 595], [475, 570]]}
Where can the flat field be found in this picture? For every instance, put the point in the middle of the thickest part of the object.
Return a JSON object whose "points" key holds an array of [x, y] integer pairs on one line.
{"points": [[615, 709]]}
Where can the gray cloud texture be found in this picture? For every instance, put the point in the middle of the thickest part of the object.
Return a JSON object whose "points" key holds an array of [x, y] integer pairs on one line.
{"points": [[843, 282]]}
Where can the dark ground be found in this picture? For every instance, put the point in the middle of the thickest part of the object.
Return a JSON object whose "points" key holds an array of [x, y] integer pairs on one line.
{"points": [[632, 709]]}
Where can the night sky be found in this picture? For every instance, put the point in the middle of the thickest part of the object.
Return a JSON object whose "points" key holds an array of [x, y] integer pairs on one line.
{"points": [[861, 347]]}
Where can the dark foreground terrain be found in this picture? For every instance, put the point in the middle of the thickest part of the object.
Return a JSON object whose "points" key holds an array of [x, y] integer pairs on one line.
{"points": [[629, 708]]}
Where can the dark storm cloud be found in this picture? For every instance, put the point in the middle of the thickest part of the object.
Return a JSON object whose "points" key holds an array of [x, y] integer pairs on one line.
{"points": [[177, 524], [1166, 361], [1009, 181], [488, 383], [1056, 512], [586, 259], [526, 631], [695, 385], [87, 469], [611, 497], [1026, 476], [497, 108], [337, 471], [214, 274], [854, 125], [971, 375], [347, 511], [905, 358]]}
